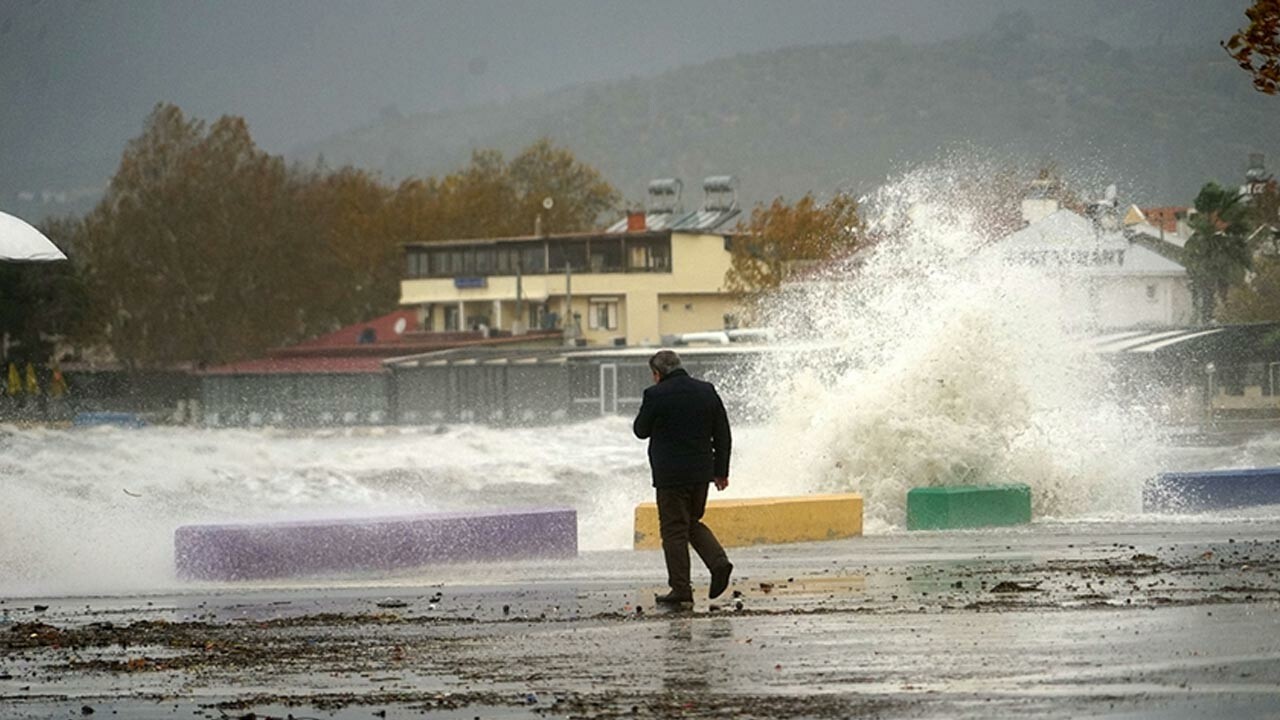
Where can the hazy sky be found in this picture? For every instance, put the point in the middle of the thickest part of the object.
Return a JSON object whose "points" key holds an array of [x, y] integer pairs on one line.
{"points": [[77, 77]]}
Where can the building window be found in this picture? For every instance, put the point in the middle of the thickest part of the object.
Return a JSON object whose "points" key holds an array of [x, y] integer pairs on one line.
{"points": [[533, 259], [649, 255], [665, 307], [486, 260], [571, 252], [1232, 379], [417, 263], [439, 260], [508, 260], [1151, 293], [602, 315], [452, 318], [1255, 375], [606, 255], [688, 306]]}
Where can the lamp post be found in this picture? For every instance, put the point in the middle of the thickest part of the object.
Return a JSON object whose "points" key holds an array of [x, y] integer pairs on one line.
{"points": [[517, 326], [1210, 391]]}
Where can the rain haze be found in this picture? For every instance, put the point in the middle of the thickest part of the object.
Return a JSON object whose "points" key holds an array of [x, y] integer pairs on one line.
{"points": [[640, 359], [79, 77]]}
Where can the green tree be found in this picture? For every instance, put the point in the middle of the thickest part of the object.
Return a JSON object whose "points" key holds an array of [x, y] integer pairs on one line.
{"points": [[1256, 47], [1217, 255], [782, 238], [1259, 299]]}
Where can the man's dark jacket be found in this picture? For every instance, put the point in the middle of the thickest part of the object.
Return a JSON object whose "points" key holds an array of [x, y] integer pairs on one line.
{"points": [[688, 431]]}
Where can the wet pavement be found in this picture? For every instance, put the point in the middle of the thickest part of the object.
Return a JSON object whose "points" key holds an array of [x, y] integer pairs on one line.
{"points": [[1128, 620]]}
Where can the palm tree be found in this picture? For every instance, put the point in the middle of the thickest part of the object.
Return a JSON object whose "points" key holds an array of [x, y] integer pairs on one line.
{"points": [[1217, 255]]}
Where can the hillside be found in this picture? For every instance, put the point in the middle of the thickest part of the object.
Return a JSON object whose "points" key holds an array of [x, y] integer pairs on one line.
{"points": [[1160, 121]]}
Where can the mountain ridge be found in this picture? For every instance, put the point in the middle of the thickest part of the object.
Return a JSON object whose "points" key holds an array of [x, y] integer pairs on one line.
{"points": [[1161, 120]]}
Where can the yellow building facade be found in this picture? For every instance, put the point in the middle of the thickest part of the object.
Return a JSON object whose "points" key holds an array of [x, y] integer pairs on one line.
{"points": [[628, 288]]}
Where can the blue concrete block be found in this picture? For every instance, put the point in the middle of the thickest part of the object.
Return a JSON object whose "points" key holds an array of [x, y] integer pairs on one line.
{"points": [[1211, 490]]}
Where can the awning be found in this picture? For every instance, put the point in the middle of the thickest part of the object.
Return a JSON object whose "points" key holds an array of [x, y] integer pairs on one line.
{"points": [[1220, 343], [19, 242], [1147, 341]]}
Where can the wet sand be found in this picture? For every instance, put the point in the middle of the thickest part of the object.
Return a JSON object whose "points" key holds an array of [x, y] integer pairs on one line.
{"points": [[1145, 620]]}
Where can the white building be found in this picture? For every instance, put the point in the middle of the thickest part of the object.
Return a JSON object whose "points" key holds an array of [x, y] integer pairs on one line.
{"points": [[1117, 281]]}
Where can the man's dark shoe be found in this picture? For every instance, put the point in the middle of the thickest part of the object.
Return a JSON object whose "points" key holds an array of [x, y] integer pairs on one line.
{"points": [[720, 580], [673, 599]]}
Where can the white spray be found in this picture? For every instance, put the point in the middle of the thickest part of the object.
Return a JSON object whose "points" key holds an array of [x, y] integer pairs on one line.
{"points": [[943, 362]]}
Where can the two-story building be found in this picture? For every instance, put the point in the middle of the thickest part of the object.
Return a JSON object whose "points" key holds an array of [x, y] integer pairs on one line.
{"points": [[652, 274]]}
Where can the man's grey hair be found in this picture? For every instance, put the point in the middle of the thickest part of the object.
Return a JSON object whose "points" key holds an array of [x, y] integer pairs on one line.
{"points": [[664, 361]]}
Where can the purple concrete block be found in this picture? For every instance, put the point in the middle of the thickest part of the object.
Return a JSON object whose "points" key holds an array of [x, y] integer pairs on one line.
{"points": [[313, 547]]}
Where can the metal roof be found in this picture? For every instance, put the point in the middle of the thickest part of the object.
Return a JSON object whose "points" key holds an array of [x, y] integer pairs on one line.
{"points": [[703, 220], [663, 211], [478, 355], [706, 219], [344, 365]]}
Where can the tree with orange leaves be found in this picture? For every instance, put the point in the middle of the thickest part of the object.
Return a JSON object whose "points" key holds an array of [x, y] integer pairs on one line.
{"points": [[783, 238], [1256, 48]]}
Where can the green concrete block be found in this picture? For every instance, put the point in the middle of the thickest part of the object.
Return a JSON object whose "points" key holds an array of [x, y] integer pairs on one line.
{"points": [[968, 506]]}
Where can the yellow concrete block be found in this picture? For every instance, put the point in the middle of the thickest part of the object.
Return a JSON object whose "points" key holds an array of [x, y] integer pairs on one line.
{"points": [[759, 521]]}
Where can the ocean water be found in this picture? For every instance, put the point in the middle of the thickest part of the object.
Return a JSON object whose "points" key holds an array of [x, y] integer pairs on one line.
{"points": [[96, 508]]}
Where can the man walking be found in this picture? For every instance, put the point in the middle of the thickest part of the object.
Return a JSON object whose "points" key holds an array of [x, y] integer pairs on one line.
{"points": [[689, 443]]}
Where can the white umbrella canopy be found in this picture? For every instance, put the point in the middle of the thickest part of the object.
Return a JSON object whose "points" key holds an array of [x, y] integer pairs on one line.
{"points": [[19, 242]]}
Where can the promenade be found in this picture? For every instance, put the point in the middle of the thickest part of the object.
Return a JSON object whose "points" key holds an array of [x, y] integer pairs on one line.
{"points": [[1132, 620]]}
